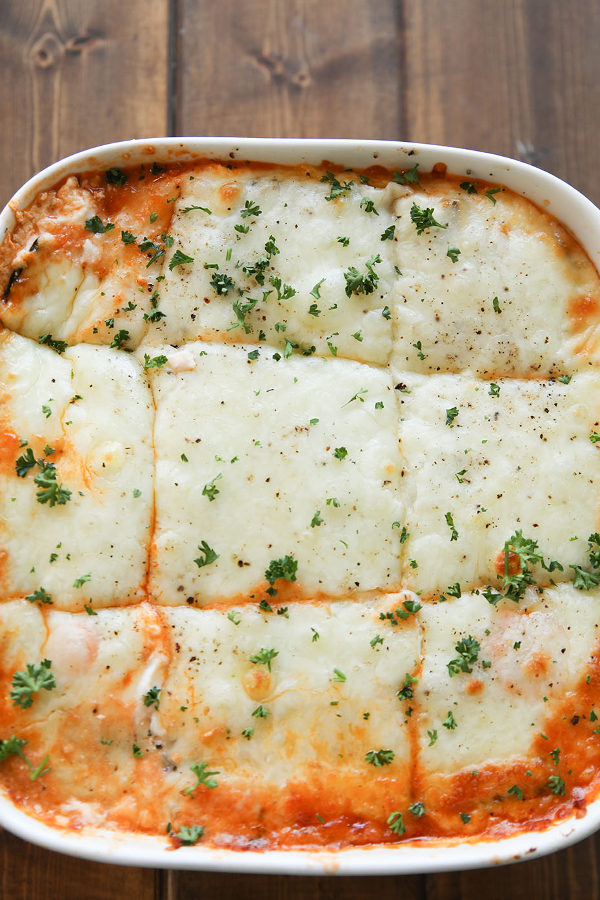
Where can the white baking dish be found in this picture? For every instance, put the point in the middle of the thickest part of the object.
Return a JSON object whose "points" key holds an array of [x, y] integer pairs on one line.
{"points": [[583, 219]]}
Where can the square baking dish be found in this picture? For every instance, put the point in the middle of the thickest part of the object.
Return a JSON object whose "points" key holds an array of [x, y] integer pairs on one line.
{"points": [[582, 218]]}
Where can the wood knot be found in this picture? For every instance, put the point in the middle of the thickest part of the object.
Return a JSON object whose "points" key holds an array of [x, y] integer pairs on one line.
{"points": [[47, 51]]}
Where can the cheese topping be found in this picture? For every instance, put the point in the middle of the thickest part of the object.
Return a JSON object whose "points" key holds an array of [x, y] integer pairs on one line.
{"points": [[299, 537]]}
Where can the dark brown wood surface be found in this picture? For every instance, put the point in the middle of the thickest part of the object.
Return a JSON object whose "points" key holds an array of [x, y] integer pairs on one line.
{"points": [[518, 77]]}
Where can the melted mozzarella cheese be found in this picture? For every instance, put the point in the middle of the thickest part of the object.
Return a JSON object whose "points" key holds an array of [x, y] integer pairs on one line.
{"points": [[319, 712], [89, 413], [305, 226], [246, 461], [538, 651], [510, 251], [521, 460]]}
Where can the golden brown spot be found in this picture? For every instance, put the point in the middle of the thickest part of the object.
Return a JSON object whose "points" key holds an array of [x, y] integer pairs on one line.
{"points": [[229, 191], [474, 686], [514, 563], [257, 683], [538, 664], [582, 312]]}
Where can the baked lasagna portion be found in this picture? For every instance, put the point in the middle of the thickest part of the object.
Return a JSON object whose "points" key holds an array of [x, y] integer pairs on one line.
{"points": [[299, 508]]}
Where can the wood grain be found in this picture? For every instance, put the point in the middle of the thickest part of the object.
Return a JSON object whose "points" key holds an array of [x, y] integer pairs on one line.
{"points": [[518, 77], [31, 873], [77, 74], [300, 68]]}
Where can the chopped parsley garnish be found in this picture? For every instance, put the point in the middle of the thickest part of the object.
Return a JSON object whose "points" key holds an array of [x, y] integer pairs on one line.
{"points": [[336, 188], [338, 676], [234, 616], [449, 722], [315, 291], [25, 462], [57, 346], [401, 613], [314, 310], [97, 226], [433, 736], [222, 283], [379, 758], [419, 348], [465, 818], [468, 651], [358, 283], [40, 596], [207, 555], [555, 754], [247, 733], [376, 640], [410, 176], [128, 238], [210, 489], [385, 312], [451, 414], [526, 549], [417, 809], [285, 568], [564, 379], [368, 206], [50, 491], [468, 186], [556, 785], [189, 835], [344, 241], [202, 208], [340, 453], [115, 176], [490, 194], [179, 259], [155, 362], [494, 390], [423, 218], [583, 580], [450, 524], [260, 712], [13, 746], [594, 437], [284, 291], [79, 582], [152, 697], [25, 684], [357, 396], [203, 776], [120, 338], [388, 234], [264, 657], [453, 254], [459, 476], [250, 209], [406, 692], [395, 822], [316, 519]]}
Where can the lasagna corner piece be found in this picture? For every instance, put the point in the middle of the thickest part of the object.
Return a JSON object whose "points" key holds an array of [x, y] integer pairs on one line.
{"points": [[79, 694], [76, 478], [83, 261], [508, 701], [491, 287], [259, 461]]}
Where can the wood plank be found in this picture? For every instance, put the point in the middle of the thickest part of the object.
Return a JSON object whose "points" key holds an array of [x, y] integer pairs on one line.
{"points": [[209, 886], [521, 78], [571, 874], [300, 68], [31, 873], [77, 75]]}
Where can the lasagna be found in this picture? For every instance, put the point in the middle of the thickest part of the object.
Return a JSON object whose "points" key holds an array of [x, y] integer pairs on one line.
{"points": [[299, 508]]}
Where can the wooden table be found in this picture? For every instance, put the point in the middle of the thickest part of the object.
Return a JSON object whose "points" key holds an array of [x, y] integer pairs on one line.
{"points": [[518, 77]]}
